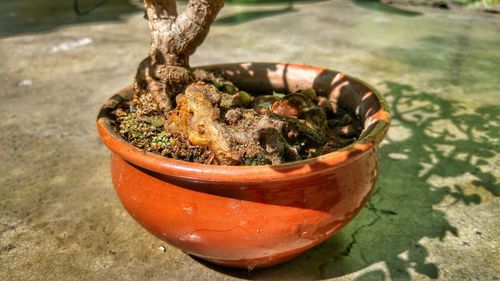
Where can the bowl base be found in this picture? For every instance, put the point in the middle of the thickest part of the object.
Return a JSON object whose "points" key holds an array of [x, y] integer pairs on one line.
{"points": [[251, 264]]}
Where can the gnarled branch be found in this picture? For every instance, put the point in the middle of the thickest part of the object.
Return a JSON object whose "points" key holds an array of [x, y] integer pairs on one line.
{"points": [[174, 38]]}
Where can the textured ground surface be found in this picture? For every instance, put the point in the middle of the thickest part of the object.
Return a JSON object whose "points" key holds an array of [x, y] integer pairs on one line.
{"points": [[436, 209]]}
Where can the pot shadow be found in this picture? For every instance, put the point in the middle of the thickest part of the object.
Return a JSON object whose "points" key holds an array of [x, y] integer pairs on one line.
{"points": [[243, 75], [35, 16], [440, 155]]}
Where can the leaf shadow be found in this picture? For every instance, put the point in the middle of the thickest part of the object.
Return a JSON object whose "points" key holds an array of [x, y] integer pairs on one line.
{"points": [[246, 16], [441, 153], [376, 5]]}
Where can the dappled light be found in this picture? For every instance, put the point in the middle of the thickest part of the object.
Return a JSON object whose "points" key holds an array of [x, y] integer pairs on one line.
{"points": [[404, 208], [432, 143], [422, 205]]}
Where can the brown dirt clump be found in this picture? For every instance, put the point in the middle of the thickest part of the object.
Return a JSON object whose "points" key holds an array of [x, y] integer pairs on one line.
{"points": [[214, 122]]}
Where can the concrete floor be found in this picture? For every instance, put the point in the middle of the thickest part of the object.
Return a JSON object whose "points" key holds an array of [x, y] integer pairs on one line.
{"points": [[435, 212]]}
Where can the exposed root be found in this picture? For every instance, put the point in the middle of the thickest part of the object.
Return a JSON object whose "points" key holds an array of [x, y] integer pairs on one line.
{"points": [[222, 125], [157, 84]]}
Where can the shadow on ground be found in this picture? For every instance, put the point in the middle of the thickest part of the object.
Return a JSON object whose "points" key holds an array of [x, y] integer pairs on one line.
{"points": [[264, 2], [376, 5], [439, 143], [246, 16], [35, 16]]}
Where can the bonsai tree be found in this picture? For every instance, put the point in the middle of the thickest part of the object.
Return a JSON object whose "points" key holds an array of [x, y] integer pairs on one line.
{"points": [[198, 115], [195, 115]]}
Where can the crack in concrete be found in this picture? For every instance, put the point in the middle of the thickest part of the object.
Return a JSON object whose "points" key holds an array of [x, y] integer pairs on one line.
{"points": [[370, 206], [354, 240]]}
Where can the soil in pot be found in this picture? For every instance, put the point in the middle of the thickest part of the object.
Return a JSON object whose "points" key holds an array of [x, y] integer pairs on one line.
{"points": [[213, 122]]}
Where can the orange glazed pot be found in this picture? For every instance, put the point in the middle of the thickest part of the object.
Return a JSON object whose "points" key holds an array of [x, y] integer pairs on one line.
{"points": [[255, 216]]}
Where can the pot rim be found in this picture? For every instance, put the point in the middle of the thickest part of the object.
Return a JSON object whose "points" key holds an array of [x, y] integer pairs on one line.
{"points": [[241, 174]]}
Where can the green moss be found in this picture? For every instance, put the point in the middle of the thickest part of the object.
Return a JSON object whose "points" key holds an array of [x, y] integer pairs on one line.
{"points": [[143, 131], [278, 95]]}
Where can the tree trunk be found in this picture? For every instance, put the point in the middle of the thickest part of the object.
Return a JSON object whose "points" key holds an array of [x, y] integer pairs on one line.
{"points": [[174, 38]]}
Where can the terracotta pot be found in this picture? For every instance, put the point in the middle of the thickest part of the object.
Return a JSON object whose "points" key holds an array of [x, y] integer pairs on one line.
{"points": [[253, 216]]}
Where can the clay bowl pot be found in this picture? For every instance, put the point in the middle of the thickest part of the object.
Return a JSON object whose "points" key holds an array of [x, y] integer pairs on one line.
{"points": [[261, 215]]}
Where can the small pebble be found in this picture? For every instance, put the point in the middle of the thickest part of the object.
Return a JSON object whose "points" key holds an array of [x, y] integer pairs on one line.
{"points": [[346, 119], [347, 131], [244, 99], [290, 105], [232, 116], [325, 104], [162, 248], [283, 107], [310, 93]]}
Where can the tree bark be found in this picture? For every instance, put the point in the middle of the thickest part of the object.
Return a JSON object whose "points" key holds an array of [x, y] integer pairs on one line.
{"points": [[174, 38]]}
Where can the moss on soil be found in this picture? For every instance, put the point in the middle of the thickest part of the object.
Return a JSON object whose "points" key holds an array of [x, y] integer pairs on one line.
{"points": [[149, 133]]}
